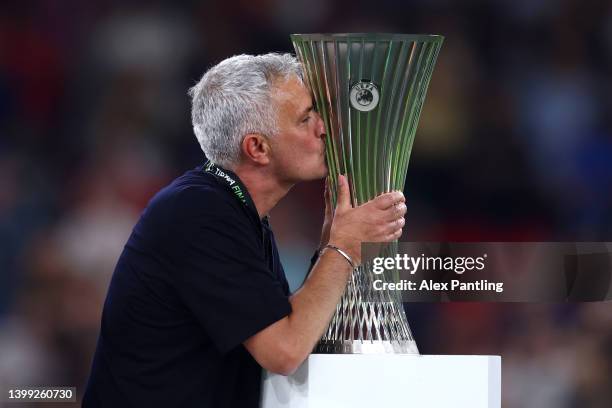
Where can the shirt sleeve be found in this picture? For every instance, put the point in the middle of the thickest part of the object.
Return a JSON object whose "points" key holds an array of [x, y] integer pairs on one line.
{"points": [[222, 275]]}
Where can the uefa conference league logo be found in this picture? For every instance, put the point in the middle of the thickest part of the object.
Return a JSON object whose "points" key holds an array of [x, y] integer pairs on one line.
{"points": [[364, 96]]}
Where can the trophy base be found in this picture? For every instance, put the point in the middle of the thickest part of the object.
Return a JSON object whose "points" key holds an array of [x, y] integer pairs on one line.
{"points": [[387, 380], [366, 347]]}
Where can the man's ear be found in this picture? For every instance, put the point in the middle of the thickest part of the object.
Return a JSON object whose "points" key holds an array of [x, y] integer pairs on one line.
{"points": [[256, 148]]}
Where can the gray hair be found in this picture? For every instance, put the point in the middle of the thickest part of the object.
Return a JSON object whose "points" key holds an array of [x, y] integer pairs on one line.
{"points": [[234, 98]]}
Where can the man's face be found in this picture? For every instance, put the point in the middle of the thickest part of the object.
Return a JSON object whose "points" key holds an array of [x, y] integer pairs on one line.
{"points": [[298, 150]]}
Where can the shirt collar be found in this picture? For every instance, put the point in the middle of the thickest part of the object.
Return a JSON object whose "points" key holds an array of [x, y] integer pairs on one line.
{"points": [[229, 179]]}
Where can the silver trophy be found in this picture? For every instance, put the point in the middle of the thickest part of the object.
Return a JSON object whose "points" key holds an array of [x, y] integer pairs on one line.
{"points": [[369, 89]]}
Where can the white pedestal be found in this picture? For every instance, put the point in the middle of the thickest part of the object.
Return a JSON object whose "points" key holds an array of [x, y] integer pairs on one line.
{"points": [[387, 380]]}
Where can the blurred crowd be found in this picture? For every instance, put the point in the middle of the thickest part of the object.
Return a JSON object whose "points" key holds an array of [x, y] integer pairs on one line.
{"points": [[514, 144]]}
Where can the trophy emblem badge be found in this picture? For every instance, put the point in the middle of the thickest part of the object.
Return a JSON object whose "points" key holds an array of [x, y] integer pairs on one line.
{"points": [[364, 96]]}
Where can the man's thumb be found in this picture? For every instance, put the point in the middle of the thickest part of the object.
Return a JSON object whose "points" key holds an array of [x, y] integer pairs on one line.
{"points": [[344, 196]]}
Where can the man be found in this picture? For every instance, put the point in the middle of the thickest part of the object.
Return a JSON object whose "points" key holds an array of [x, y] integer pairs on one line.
{"points": [[199, 303]]}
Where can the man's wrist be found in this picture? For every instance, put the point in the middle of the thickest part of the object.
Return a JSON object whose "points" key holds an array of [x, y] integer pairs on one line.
{"points": [[342, 251], [348, 245]]}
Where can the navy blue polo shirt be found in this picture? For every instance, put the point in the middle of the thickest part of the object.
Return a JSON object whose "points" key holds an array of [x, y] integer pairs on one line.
{"points": [[198, 276]]}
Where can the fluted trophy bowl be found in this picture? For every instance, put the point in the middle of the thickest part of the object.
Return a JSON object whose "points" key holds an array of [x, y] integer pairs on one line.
{"points": [[369, 90]]}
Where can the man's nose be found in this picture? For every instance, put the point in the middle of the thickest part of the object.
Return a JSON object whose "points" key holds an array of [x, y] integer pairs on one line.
{"points": [[320, 125]]}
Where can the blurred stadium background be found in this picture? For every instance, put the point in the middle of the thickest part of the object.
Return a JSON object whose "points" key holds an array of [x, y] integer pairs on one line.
{"points": [[514, 143]]}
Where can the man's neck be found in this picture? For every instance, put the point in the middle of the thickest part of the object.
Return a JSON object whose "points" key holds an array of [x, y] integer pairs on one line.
{"points": [[263, 187]]}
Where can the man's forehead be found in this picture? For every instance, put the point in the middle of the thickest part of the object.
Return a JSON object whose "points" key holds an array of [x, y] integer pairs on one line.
{"points": [[292, 91]]}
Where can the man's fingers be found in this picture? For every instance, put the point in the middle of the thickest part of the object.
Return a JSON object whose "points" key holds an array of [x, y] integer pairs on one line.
{"points": [[395, 235], [384, 201], [344, 196], [399, 210], [388, 236], [394, 212], [393, 226], [399, 223]]}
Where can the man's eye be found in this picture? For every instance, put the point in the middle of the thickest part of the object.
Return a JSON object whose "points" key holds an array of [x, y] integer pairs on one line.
{"points": [[306, 119]]}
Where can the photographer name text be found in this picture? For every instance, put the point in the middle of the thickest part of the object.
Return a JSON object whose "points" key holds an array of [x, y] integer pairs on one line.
{"points": [[412, 265]]}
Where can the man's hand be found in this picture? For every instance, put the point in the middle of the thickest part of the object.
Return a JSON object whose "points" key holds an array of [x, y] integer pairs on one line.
{"points": [[379, 220]]}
